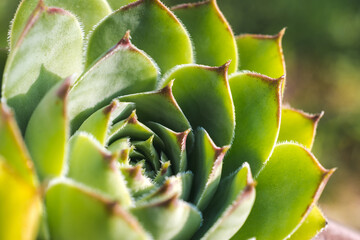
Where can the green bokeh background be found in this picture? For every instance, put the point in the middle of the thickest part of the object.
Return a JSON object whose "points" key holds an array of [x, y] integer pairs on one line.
{"points": [[322, 52]]}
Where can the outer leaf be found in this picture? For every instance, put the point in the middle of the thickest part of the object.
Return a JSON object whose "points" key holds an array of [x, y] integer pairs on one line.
{"points": [[12, 147], [7, 10], [298, 126], [77, 213], [89, 12], [258, 107], [287, 189], [230, 206], [151, 106], [262, 54], [25, 82], [311, 226], [106, 80], [20, 206], [101, 173], [203, 93], [206, 164], [154, 29], [47, 143], [211, 34]]}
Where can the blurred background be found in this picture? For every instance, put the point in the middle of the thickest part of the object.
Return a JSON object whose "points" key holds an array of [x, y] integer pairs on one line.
{"points": [[322, 53]]}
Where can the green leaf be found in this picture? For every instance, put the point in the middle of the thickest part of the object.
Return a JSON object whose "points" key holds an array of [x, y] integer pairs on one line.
{"points": [[206, 163], [3, 57], [105, 80], [150, 106], [148, 150], [211, 34], [101, 166], [204, 96], [116, 4], [20, 206], [98, 124], [137, 182], [174, 145], [311, 226], [164, 215], [230, 206], [47, 143], [25, 82], [12, 147], [262, 54], [257, 106], [287, 188], [89, 12], [75, 212], [298, 126], [154, 29]]}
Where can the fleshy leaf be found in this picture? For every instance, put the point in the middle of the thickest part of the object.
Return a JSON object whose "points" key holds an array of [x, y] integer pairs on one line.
{"points": [[89, 12], [230, 206], [203, 94], [206, 164], [98, 124], [7, 10], [116, 4], [287, 188], [211, 34], [20, 206], [12, 147], [101, 172], [262, 54], [75, 212], [174, 145], [47, 143], [257, 106], [30, 74], [311, 226], [123, 70], [148, 150], [298, 126], [137, 182], [154, 29], [164, 215], [151, 106]]}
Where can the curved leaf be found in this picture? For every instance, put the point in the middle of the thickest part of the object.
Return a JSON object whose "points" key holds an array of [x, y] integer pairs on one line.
{"points": [[154, 29], [12, 147], [89, 12], [203, 94], [230, 206], [75, 212], [262, 54], [116, 4], [311, 226], [50, 30], [211, 34], [47, 143], [20, 206], [258, 107], [123, 70], [287, 189], [206, 163], [298, 126]]}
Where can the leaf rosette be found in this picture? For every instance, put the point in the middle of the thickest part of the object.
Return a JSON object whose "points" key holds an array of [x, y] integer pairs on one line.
{"points": [[155, 134]]}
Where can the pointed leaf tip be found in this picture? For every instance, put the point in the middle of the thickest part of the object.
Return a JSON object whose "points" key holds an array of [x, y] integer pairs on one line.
{"points": [[64, 89], [125, 41]]}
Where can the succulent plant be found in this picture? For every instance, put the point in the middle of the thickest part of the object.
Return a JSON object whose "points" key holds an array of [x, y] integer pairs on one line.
{"points": [[166, 134]]}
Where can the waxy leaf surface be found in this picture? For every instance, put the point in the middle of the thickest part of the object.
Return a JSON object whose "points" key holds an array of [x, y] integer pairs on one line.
{"points": [[29, 73], [89, 12], [154, 29], [262, 54], [78, 213], [123, 70], [257, 107], [47, 143], [204, 96], [298, 126], [287, 188], [213, 39]]}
